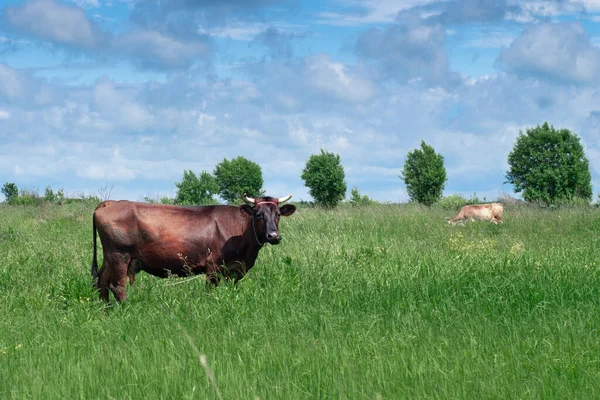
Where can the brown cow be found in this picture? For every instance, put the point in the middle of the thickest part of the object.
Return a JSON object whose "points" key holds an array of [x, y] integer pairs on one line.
{"points": [[168, 240], [483, 212]]}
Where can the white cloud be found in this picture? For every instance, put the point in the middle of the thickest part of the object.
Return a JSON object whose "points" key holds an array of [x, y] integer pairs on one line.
{"points": [[555, 51], [87, 3], [68, 26], [205, 118], [12, 84], [336, 79], [19, 87], [56, 22], [120, 107], [536, 10], [370, 11], [109, 171], [408, 51], [155, 49], [246, 30], [487, 38], [594, 158]]}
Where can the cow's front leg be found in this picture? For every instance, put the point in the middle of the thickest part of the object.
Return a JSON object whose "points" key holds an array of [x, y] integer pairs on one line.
{"points": [[213, 275], [236, 270]]}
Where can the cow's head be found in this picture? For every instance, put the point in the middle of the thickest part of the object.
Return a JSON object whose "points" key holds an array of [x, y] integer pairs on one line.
{"points": [[265, 213]]}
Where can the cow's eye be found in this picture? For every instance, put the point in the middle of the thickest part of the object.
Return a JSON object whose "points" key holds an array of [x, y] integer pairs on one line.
{"points": [[260, 216]]}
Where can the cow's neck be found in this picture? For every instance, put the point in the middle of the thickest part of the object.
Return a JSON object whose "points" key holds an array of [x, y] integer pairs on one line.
{"points": [[250, 245]]}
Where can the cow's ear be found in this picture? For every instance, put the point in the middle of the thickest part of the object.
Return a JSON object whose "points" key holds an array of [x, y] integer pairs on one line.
{"points": [[287, 210], [247, 209]]}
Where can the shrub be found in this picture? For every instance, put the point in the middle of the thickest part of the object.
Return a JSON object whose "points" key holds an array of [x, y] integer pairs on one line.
{"points": [[49, 195], [357, 200], [452, 202], [325, 179], [236, 177], [457, 201], [549, 165], [196, 190], [159, 200], [27, 198], [424, 175], [10, 191]]}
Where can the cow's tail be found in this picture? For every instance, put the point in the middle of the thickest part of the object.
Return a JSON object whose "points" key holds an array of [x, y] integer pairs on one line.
{"points": [[94, 259]]}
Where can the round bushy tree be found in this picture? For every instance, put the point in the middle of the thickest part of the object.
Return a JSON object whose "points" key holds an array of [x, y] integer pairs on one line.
{"points": [[237, 177], [10, 191], [549, 165], [324, 177], [424, 175], [196, 190]]}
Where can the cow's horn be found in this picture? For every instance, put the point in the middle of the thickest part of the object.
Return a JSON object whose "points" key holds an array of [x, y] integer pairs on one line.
{"points": [[249, 200], [284, 199]]}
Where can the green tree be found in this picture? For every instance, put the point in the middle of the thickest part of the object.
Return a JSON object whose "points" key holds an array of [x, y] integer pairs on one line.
{"points": [[10, 192], [49, 195], [424, 174], [325, 179], [60, 196], [549, 165], [238, 176], [357, 199], [196, 190]]}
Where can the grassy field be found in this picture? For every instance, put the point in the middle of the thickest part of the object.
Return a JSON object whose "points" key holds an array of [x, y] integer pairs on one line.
{"points": [[378, 302]]}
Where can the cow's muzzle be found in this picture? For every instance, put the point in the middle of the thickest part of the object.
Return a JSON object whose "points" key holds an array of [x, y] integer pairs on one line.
{"points": [[274, 237]]}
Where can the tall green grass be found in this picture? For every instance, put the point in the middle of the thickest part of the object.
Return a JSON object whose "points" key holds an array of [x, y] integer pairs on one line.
{"points": [[355, 303]]}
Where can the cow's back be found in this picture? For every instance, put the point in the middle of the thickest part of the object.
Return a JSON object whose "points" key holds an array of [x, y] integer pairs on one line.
{"points": [[485, 212], [127, 224]]}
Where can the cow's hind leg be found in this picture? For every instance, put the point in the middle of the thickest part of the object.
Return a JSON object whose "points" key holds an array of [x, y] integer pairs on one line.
{"points": [[118, 277], [104, 279]]}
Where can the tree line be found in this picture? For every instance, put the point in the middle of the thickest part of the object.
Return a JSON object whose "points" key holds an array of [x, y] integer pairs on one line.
{"points": [[323, 175], [24, 197], [547, 165]]}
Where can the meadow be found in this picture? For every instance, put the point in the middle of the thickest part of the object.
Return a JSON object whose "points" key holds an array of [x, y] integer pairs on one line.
{"points": [[382, 301]]}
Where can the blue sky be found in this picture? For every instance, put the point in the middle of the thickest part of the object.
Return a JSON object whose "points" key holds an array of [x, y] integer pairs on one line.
{"points": [[128, 93]]}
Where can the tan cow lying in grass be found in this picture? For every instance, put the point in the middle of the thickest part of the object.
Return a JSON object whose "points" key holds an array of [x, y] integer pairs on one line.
{"points": [[482, 212]]}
